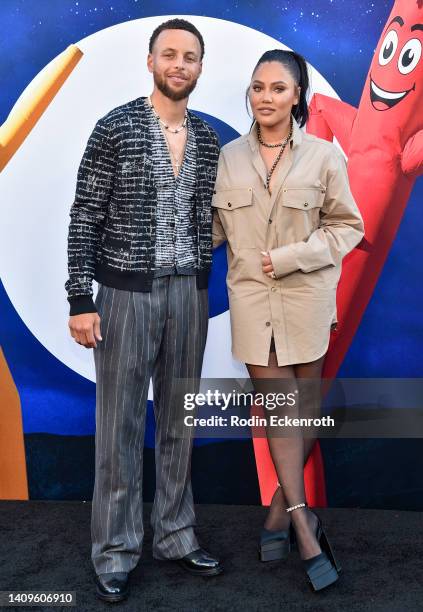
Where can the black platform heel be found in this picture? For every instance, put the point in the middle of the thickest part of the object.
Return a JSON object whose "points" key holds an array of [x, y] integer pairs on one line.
{"points": [[325, 544], [293, 538], [276, 545], [322, 570]]}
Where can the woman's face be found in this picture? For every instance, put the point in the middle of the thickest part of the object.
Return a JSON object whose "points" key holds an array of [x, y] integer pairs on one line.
{"points": [[272, 93]]}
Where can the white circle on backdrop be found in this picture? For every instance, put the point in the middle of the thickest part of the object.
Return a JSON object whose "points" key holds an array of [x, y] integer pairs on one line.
{"points": [[38, 185]]}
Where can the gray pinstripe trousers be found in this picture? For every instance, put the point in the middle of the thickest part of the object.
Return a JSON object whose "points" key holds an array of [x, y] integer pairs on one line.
{"points": [[162, 335]]}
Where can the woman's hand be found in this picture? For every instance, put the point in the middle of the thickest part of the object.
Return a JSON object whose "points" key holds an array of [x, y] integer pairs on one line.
{"points": [[266, 264]]}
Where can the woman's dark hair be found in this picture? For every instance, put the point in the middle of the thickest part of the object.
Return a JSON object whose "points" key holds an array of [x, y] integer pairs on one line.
{"points": [[297, 67], [176, 24]]}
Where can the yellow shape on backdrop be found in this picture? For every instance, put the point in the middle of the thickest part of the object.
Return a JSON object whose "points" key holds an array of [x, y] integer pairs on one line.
{"points": [[32, 104], [13, 477]]}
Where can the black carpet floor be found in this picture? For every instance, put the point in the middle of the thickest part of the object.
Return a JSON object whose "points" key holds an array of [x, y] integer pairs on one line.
{"points": [[46, 546]]}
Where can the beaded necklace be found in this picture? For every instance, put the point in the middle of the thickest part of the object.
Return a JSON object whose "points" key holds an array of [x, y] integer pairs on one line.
{"points": [[282, 145], [165, 125]]}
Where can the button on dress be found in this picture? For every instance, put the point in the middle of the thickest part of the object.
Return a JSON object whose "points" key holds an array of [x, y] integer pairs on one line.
{"points": [[308, 224]]}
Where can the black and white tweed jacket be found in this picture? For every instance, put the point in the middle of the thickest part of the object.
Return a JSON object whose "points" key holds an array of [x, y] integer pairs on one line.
{"points": [[113, 217]]}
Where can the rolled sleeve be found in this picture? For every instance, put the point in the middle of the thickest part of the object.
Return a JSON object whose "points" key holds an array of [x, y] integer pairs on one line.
{"points": [[284, 261], [340, 231]]}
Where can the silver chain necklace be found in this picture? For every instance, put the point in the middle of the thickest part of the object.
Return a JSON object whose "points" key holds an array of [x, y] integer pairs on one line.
{"points": [[165, 125]]}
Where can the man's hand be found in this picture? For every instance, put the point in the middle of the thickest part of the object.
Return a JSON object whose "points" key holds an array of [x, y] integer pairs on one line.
{"points": [[85, 329], [266, 264]]}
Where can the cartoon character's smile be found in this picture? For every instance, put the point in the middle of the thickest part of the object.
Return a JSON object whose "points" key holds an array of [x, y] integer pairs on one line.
{"points": [[382, 99]]}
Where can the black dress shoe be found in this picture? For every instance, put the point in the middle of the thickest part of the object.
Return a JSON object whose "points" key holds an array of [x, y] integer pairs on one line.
{"points": [[112, 587], [200, 563]]}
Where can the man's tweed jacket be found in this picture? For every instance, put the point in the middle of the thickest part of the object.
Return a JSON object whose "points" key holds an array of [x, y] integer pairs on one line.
{"points": [[113, 218]]}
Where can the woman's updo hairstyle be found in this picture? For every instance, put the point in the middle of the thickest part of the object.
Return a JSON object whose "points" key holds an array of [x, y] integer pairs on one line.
{"points": [[297, 67]]}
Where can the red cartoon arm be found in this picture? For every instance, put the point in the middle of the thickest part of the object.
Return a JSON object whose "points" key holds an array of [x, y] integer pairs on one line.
{"points": [[330, 117], [412, 155]]}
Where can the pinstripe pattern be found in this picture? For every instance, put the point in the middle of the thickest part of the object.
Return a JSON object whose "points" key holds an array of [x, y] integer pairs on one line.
{"points": [[161, 334]]}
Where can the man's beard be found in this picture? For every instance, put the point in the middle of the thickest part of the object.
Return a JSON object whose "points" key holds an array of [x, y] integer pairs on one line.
{"points": [[170, 93]]}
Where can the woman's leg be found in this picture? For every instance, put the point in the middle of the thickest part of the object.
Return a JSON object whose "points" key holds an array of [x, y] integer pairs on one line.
{"points": [[290, 453], [277, 517], [308, 376]]}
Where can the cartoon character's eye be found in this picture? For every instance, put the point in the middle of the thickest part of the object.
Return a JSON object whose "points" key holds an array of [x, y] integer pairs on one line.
{"points": [[410, 55], [388, 48]]}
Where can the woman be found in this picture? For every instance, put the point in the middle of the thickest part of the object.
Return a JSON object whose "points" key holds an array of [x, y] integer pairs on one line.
{"points": [[283, 203]]}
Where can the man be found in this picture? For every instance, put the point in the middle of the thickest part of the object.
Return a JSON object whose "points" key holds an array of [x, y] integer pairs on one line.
{"points": [[141, 226]]}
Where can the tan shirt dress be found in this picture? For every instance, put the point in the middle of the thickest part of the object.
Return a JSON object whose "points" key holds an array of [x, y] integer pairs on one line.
{"points": [[308, 224]]}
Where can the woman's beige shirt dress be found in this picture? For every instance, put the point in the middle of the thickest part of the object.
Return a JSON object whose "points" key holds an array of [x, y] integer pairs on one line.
{"points": [[308, 224]]}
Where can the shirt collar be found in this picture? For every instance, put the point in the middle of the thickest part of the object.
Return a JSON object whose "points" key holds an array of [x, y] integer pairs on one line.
{"points": [[295, 140]]}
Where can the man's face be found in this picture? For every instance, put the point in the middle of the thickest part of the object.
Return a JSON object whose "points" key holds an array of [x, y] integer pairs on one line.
{"points": [[175, 63]]}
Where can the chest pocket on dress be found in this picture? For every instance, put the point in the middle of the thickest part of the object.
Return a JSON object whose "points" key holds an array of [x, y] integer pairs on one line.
{"points": [[236, 212], [304, 198], [304, 204]]}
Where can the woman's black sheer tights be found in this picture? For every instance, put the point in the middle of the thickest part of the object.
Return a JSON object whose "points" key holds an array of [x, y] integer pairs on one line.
{"points": [[289, 447]]}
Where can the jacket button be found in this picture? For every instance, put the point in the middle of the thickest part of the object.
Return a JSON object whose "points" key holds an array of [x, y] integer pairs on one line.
{"points": [[267, 323], [273, 288], [229, 204], [305, 203], [270, 220]]}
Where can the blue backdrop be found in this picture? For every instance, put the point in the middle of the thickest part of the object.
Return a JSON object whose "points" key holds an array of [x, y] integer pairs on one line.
{"points": [[338, 37]]}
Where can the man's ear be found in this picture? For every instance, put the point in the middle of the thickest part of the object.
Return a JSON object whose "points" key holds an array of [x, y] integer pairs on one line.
{"points": [[150, 62]]}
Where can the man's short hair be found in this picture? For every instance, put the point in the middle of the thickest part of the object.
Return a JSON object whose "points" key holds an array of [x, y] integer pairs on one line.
{"points": [[177, 24]]}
